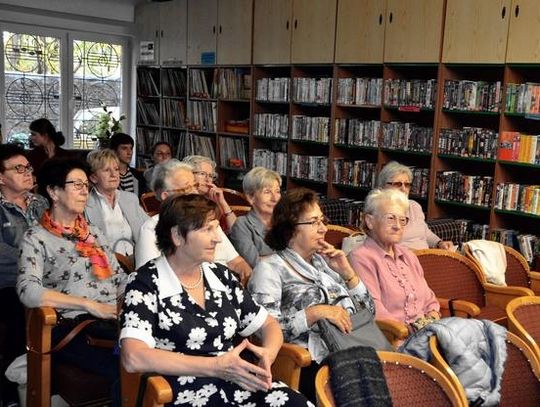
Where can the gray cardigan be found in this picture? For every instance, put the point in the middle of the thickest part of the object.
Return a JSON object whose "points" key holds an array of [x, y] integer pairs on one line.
{"points": [[247, 236], [129, 204]]}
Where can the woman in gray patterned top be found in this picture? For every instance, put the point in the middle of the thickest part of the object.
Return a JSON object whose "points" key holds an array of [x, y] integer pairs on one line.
{"points": [[290, 283], [67, 264]]}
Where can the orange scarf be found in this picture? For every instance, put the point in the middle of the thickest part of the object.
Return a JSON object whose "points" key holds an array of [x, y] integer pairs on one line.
{"points": [[85, 243]]}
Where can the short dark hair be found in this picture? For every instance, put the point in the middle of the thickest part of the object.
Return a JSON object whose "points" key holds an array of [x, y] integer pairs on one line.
{"points": [[54, 172], [8, 151], [120, 138], [44, 126], [187, 213], [286, 214], [160, 143]]}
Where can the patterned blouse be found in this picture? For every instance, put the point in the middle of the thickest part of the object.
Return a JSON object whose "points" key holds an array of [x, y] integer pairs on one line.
{"points": [[48, 262], [286, 293], [160, 313]]}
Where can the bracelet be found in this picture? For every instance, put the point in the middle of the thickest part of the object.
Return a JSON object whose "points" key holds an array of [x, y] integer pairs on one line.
{"points": [[228, 213]]}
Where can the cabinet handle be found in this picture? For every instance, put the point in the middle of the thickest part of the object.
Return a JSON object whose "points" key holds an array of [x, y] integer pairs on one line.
{"points": [[157, 34], [516, 11], [295, 23], [503, 12], [161, 33], [390, 17], [380, 19], [213, 29], [287, 25], [220, 29]]}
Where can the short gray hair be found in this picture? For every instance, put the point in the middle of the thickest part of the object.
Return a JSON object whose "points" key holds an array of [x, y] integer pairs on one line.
{"points": [[378, 196], [258, 178], [390, 170], [196, 160], [162, 173]]}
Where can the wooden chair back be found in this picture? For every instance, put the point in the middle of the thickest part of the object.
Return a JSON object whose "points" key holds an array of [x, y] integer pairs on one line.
{"points": [[76, 386], [150, 203], [240, 210], [126, 262], [336, 234], [234, 197], [524, 321], [410, 381]]}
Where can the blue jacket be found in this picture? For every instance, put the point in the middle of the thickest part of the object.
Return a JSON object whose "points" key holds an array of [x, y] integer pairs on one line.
{"points": [[474, 349], [14, 222]]}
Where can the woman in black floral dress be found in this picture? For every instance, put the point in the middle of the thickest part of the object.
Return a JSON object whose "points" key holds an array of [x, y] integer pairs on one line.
{"points": [[186, 318]]}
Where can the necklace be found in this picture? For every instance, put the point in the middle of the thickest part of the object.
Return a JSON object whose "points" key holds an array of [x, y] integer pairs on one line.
{"points": [[197, 284]]}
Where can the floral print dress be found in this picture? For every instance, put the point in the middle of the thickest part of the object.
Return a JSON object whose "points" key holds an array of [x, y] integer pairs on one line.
{"points": [[159, 312]]}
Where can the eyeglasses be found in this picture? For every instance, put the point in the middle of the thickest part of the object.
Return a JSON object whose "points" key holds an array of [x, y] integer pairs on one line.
{"points": [[399, 184], [21, 168], [78, 184], [316, 223], [392, 219], [205, 174]]}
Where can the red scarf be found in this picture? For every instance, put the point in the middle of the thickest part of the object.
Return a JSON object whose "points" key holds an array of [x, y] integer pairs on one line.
{"points": [[85, 243]]}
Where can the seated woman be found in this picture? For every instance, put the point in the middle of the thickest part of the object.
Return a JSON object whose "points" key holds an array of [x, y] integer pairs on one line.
{"points": [[116, 213], [19, 209], [187, 318], [262, 189], [416, 234], [288, 283], [204, 170], [391, 272], [46, 141], [65, 263], [161, 152]]}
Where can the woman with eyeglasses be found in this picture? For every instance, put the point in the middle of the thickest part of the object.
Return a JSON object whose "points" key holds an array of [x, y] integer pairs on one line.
{"points": [[116, 213], [417, 234], [46, 142], [204, 170], [67, 264], [19, 209], [391, 272], [297, 283], [262, 188]]}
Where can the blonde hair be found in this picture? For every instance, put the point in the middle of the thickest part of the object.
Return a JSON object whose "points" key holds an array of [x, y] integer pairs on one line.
{"points": [[97, 159]]}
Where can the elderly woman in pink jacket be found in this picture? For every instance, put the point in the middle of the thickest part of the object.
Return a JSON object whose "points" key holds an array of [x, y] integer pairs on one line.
{"points": [[390, 271]]}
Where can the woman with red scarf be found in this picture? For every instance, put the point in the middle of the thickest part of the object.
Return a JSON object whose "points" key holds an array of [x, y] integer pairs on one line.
{"points": [[67, 264]]}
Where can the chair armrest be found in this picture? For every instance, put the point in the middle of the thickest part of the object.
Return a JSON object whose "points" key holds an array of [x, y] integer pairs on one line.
{"points": [[290, 359], [500, 296], [462, 308], [158, 392], [535, 281], [394, 331]]}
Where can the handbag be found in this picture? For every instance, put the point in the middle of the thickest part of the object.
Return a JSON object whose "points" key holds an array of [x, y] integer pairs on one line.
{"points": [[365, 331]]}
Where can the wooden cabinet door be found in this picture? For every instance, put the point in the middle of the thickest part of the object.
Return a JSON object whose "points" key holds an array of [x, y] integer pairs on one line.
{"points": [[173, 41], [147, 26], [235, 19], [413, 30], [476, 31], [272, 27], [360, 31], [314, 28], [202, 29], [524, 32]]}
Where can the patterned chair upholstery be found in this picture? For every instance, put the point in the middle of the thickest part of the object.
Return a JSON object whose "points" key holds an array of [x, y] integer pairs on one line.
{"points": [[524, 320]]}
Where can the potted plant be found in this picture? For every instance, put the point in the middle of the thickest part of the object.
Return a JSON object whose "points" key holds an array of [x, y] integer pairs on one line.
{"points": [[106, 126]]}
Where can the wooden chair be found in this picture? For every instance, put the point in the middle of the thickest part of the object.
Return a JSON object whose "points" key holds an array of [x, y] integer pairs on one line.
{"points": [[240, 210], [150, 203], [76, 386], [524, 321], [234, 197], [520, 384], [337, 233], [453, 276], [409, 379], [518, 272]]}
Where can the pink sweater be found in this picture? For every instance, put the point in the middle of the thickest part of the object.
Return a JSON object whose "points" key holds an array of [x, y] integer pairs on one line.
{"points": [[397, 286], [417, 234]]}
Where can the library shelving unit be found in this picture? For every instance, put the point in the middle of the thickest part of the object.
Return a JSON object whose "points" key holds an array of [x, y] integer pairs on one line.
{"points": [[161, 108]]}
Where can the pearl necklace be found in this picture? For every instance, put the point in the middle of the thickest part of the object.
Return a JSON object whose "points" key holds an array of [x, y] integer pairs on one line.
{"points": [[197, 284]]}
